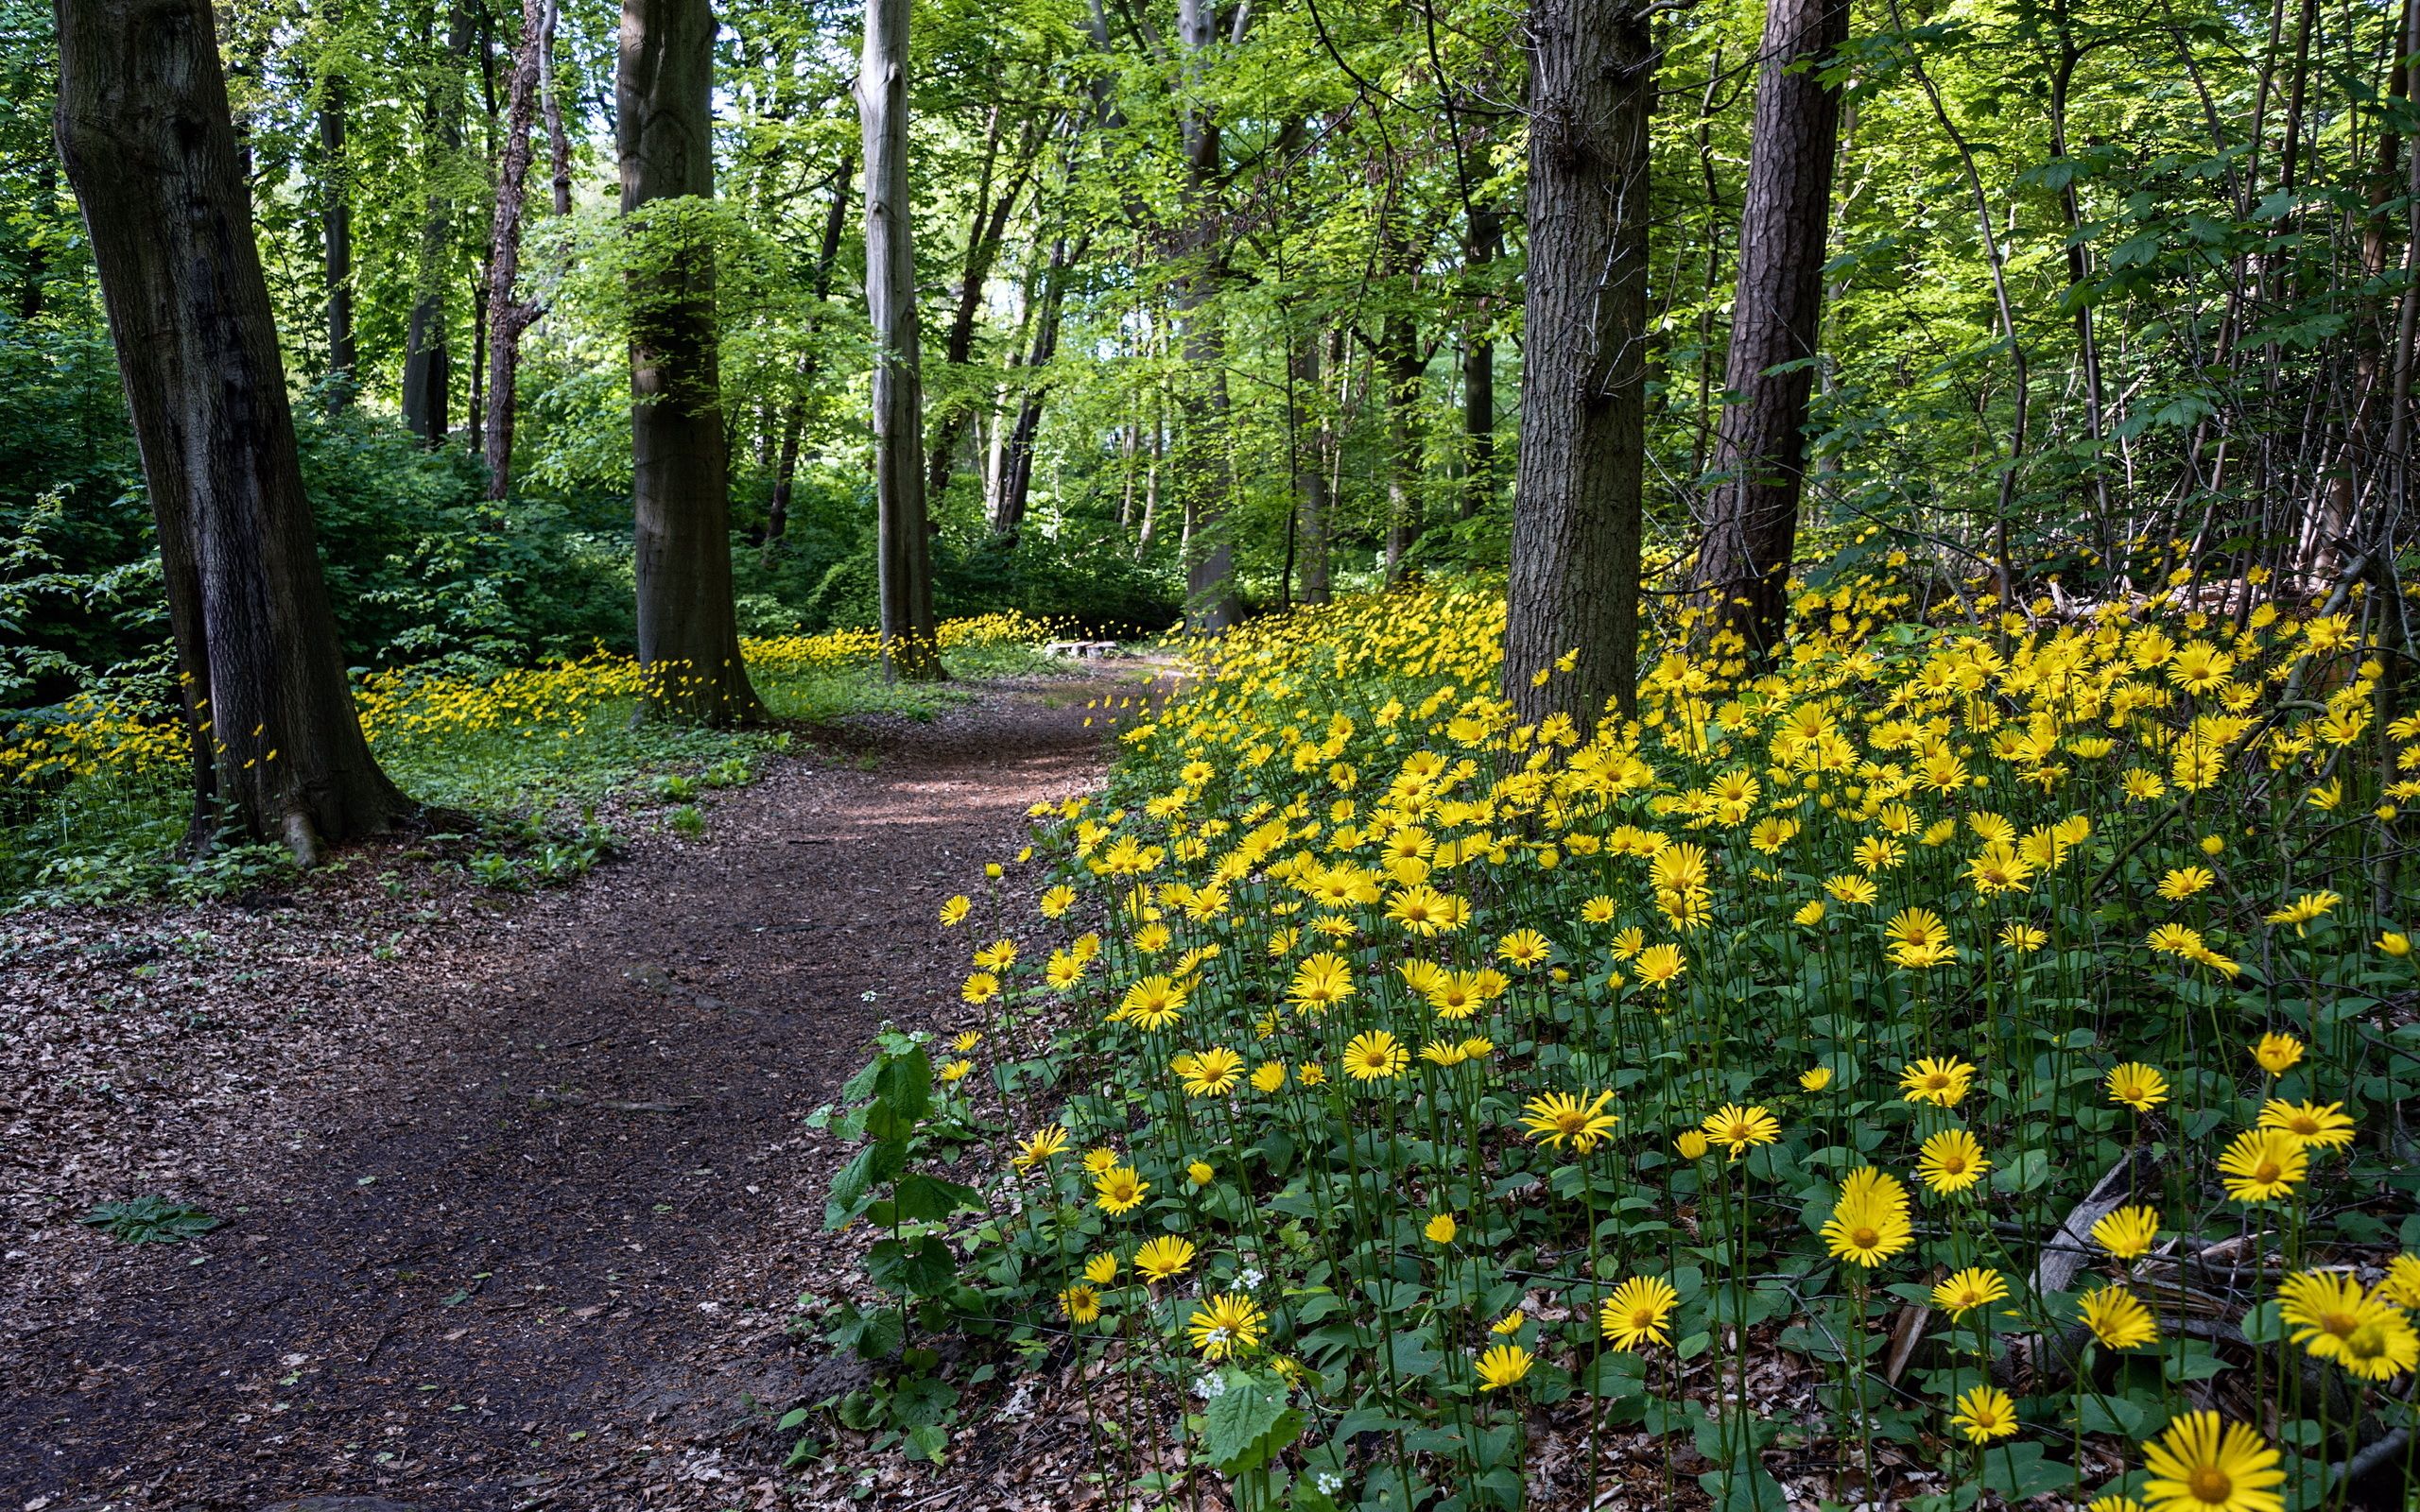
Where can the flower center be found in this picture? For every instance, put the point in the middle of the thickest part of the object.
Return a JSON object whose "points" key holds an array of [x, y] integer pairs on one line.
{"points": [[2265, 1171], [2211, 1484], [1864, 1238]]}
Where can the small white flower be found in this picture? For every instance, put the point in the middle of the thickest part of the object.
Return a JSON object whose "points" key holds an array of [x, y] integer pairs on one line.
{"points": [[1249, 1277], [1330, 1482], [867, 995], [1211, 1386]]}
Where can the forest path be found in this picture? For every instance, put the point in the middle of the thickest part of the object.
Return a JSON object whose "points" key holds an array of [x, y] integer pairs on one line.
{"points": [[531, 1244]]}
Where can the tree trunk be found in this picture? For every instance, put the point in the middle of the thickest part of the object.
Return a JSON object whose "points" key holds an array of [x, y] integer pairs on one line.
{"points": [[827, 256], [428, 373], [1016, 459], [1760, 449], [1406, 370], [910, 641], [551, 106], [1310, 468], [1210, 600], [984, 233], [144, 130], [335, 227], [1577, 499], [1484, 241], [688, 632], [508, 314]]}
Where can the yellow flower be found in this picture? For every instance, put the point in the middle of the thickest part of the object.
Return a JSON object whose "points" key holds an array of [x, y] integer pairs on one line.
{"points": [[2319, 1123], [1660, 965], [2116, 1317], [954, 912], [1118, 1190], [2184, 881], [1269, 1076], [2395, 943], [1523, 946], [1559, 1116], [1951, 1160], [1199, 1172], [1969, 1289], [1153, 1004], [1939, 1080], [2262, 1164], [1081, 1303], [2304, 909], [1984, 1413], [1374, 1055], [1223, 1323], [2323, 1308], [1637, 1312], [981, 986], [1440, 1229], [1809, 914], [1163, 1259], [2127, 1232], [2277, 1052], [1099, 1159], [2139, 1087], [2402, 1283], [1321, 981], [1740, 1130], [2384, 1346], [2202, 1465], [1213, 1073], [1040, 1146], [1691, 1144], [1869, 1223], [1816, 1080], [1057, 901], [1102, 1270], [2113, 1503], [1503, 1366]]}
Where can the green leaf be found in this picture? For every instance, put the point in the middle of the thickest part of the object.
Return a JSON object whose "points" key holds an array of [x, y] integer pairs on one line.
{"points": [[1249, 1424]]}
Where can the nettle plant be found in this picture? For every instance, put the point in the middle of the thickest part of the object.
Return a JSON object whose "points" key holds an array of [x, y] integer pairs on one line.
{"points": [[893, 1108]]}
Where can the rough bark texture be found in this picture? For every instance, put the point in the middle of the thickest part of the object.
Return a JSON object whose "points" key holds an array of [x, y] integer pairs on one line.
{"points": [[509, 315], [1575, 570], [688, 633], [903, 548], [144, 130], [1760, 450]]}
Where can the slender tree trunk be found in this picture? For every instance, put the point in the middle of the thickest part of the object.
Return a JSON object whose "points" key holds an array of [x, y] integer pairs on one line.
{"points": [[827, 256], [1016, 458], [1311, 467], [1406, 371], [1576, 500], [1485, 240], [143, 129], [509, 316], [984, 233], [335, 225], [551, 106], [1751, 524], [910, 641], [427, 357], [1211, 601], [688, 632]]}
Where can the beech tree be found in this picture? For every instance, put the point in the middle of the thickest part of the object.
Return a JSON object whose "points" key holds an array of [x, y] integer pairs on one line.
{"points": [[910, 644], [1751, 527], [145, 132], [509, 315], [1577, 501], [688, 633]]}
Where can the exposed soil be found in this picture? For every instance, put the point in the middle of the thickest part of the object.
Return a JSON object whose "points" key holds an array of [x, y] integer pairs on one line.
{"points": [[519, 1191]]}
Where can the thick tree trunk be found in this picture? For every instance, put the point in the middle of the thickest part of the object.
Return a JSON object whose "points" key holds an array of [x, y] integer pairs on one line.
{"points": [[910, 643], [688, 632], [1760, 451], [509, 316], [1576, 500], [143, 129], [428, 369]]}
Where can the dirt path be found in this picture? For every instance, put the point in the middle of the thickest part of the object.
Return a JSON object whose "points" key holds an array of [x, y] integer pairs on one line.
{"points": [[519, 1212]]}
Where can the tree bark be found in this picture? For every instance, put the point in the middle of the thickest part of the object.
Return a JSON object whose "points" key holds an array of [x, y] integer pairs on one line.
{"points": [[1760, 449], [910, 641], [551, 106], [509, 316], [144, 130], [1574, 577], [1016, 458], [984, 233], [688, 632], [428, 373], [1311, 467], [1406, 370]]}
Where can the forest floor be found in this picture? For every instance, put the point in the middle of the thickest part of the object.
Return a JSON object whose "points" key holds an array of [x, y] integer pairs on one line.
{"points": [[519, 1196]]}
